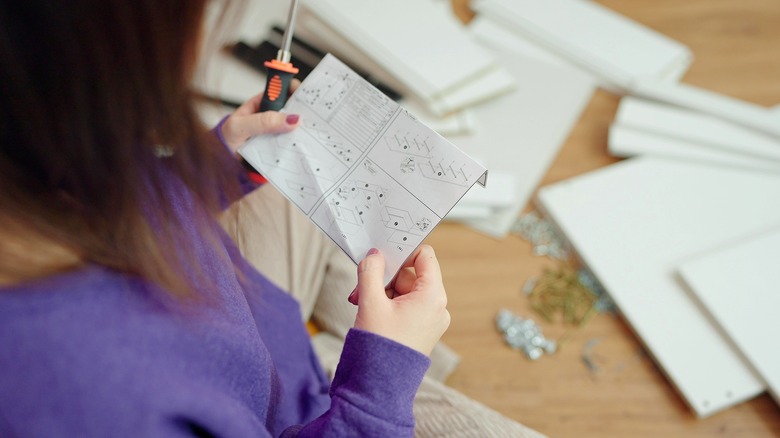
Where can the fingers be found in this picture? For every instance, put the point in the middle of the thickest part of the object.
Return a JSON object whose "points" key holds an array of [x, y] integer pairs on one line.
{"points": [[425, 263], [370, 278], [414, 313], [354, 297], [404, 282], [268, 122], [371, 274], [420, 271], [240, 127], [251, 106], [427, 273], [294, 84]]}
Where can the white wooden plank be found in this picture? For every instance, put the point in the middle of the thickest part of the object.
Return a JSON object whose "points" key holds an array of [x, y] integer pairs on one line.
{"points": [[632, 223], [740, 287], [627, 141], [620, 51], [707, 130]]}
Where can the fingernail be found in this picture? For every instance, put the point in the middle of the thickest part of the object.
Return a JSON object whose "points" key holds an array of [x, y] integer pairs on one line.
{"points": [[372, 251], [292, 119], [352, 297]]}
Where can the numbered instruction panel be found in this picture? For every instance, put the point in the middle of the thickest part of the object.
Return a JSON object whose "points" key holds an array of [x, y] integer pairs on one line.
{"points": [[362, 168]]}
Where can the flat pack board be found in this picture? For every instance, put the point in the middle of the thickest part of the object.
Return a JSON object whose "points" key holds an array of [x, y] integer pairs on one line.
{"points": [[633, 223], [520, 134], [740, 287], [616, 49]]}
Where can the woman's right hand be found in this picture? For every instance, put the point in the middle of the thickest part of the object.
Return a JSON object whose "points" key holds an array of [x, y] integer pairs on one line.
{"points": [[413, 312], [247, 121]]}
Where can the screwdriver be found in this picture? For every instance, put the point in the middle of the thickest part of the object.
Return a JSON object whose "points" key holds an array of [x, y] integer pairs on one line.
{"points": [[280, 70]]}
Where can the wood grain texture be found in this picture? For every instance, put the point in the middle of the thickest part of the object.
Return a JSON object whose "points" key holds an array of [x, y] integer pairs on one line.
{"points": [[736, 45]]}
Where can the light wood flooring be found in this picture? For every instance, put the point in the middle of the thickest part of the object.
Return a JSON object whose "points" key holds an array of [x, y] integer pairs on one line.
{"points": [[736, 44]]}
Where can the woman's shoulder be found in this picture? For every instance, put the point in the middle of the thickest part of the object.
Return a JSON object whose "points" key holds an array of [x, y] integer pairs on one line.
{"points": [[97, 312], [65, 319], [52, 296], [93, 343]]}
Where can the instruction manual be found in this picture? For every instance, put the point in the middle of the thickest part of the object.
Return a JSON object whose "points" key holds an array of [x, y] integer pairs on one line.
{"points": [[363, 169]]}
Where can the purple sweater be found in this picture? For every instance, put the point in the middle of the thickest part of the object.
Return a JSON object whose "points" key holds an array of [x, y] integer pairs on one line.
{"points": [[96, 353]]}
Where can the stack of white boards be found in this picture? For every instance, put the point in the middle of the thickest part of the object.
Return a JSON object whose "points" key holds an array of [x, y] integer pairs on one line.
{"points": [[519, 134], [548, 41], [512, 112], [514, 115], [683, 236], [685, 122], [619, 52], [415, 45], [644, 127], [639, 224], [221, 74]]}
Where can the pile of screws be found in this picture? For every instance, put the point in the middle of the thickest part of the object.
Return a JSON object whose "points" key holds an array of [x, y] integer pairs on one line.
{"points": [[560, 291], [576, 294], [542, 235], [524, 334], [603, 302], [566, 293]]}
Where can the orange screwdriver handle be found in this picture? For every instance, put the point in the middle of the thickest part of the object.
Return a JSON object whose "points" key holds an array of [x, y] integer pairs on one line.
{"points": [[277, 86]]}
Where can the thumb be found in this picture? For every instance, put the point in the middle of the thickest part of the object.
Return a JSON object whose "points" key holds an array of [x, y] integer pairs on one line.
{"points": [[268, 122], [241, 127], [371, 271]]}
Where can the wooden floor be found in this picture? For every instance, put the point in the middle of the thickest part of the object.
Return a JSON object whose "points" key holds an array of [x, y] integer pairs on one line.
{"points": [[736, 44]]}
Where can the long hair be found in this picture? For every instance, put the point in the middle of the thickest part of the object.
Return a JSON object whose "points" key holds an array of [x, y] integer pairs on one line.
{"points": [[90, 90]]}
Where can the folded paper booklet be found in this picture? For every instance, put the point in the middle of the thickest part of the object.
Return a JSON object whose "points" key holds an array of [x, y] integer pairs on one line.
{"points": [[362, 168]]}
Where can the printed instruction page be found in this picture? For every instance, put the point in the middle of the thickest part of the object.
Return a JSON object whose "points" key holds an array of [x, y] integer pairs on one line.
{"points": [[362, 168]]}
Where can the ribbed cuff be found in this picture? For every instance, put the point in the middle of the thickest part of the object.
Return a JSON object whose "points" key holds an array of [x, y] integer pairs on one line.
{"points": [[380, 376], [247, 184], [221, 137]]}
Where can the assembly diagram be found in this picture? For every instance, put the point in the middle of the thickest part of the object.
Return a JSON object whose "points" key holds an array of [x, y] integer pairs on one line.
{"points": [[361, 207], [332, 142], [325, 94], [361, 168], [353, 108], [295, 165]]}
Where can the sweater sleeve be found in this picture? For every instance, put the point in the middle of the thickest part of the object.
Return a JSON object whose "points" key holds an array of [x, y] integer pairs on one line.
{"points": [[373, 391], [247, 184]]}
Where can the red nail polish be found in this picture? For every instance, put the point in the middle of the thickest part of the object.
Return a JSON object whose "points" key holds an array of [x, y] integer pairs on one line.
{"points": [[292, 119], [353, 297], [373, 251]]}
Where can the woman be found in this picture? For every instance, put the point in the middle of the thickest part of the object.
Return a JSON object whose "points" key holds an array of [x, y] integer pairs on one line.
{"points": [[125, 309]]}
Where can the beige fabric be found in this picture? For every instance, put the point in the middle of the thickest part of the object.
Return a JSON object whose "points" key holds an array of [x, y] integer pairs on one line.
{"points": [[439, 410], [276, 238], [281, 242], [286, 247]]}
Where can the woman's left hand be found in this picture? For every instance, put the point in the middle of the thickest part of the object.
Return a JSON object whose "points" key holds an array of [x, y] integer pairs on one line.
{"points": [[247, 122]]}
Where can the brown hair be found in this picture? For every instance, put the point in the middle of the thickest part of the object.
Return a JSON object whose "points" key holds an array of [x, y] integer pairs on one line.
{"points": [[90, 88]]}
